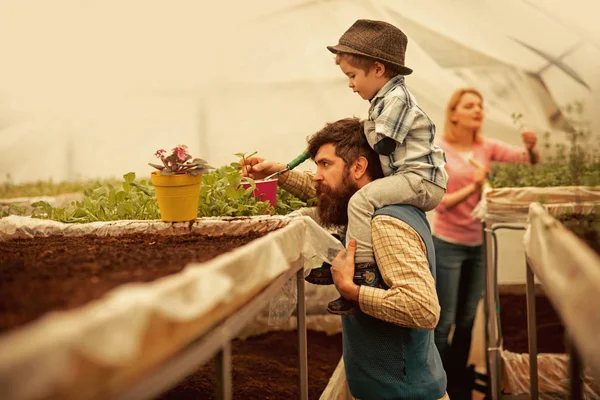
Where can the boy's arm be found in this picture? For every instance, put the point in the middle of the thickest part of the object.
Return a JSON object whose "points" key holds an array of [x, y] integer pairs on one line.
{"points": [[411, 301], [395, 119]]}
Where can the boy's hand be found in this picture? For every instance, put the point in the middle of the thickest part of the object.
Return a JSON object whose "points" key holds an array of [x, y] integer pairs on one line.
{"points": [[342, 271]]}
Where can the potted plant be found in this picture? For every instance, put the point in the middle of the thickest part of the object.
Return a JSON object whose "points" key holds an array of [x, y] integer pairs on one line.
{"points": [[177, 184], [263, 190]]}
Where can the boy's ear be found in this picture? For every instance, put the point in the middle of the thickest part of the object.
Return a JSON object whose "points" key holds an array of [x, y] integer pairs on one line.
{"points": [[379, 69]]}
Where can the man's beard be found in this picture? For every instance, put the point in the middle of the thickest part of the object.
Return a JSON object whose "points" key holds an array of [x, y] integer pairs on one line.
{"points": [[333, 203]]}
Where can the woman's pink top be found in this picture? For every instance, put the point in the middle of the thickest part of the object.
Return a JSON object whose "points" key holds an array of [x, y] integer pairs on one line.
{"points": [[456, 224]]}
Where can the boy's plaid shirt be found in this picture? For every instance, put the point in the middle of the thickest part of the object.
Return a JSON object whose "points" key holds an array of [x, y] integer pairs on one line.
{"points": [[397, 115]]}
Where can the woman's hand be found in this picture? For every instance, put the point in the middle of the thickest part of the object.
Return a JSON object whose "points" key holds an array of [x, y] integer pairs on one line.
{"points": [[529, 139], [342, 270], [259, 168], [479, 178], [480, 174]]}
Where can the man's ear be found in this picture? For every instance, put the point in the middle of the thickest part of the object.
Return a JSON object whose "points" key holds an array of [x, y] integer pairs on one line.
{"points": [[360, 167], [379, 69]]}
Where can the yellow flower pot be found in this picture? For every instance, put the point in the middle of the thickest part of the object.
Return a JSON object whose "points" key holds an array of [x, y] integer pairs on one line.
{"points": [[177, 195]]}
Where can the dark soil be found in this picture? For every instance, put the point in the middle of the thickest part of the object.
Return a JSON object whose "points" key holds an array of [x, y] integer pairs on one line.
{"points": [[266, 367], [513, 315], [586, 226], [60, 273]]}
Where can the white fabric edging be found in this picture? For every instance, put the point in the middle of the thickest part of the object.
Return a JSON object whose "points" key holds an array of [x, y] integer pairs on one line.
{"points": [[512, 204]]}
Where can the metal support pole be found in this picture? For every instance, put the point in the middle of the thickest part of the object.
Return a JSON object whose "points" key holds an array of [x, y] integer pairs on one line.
{"points": [[532, 333], [574, 370], [302, 346], [492, 337], [224, 391]]}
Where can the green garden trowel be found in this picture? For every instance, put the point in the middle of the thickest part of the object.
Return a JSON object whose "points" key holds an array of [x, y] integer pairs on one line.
{"points": [[291, 165]]}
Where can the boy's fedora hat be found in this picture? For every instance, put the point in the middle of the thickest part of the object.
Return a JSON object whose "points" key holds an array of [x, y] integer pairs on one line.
{"points": [[374, 39]]}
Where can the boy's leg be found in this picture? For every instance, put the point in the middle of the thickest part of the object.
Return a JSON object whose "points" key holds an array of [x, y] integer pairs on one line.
{"points": [[381, 192], [433, 196], [394, 189]]}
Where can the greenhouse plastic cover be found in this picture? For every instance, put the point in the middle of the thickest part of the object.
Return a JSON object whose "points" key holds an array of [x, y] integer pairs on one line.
{"points": [[78, 100], [570, 273], [108, 332]]}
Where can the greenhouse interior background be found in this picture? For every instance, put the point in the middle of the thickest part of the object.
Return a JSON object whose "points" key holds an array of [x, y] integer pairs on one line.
{"points": [[92, 89]]}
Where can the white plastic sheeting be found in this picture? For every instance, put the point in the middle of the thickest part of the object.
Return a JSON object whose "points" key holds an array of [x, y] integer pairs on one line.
{"points": [[570, 272], [92, 345], [512, 204], [93, 89], [553, 376]]}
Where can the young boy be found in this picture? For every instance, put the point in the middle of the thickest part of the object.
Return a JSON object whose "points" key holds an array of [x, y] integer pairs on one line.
{"points": [[371, 55]]}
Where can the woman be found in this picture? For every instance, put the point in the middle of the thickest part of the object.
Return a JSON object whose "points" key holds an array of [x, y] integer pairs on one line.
{"points": [[457, 236]]}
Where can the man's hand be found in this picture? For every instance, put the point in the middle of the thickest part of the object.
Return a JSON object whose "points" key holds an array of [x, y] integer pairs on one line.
{"points": [[259, 168], [342, 270]]}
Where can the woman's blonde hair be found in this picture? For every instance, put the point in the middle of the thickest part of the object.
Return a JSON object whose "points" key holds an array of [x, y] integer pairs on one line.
{"points": [[449, 134]]}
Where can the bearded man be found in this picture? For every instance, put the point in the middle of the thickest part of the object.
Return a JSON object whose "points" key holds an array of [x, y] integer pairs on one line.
{"points": [[389, 351]]}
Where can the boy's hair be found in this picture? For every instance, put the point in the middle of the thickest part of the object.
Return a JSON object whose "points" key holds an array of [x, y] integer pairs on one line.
{"points": [[350, 143], [366, 63]]}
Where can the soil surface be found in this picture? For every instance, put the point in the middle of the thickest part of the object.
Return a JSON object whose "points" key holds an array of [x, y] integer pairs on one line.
{"points": [[513, 315], [266, 367], [60, 273]]}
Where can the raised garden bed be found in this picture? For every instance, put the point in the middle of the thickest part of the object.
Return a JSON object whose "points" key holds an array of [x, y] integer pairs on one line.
{"points": [[513, 316], [569, 270], [59, 273], [129, 300]]}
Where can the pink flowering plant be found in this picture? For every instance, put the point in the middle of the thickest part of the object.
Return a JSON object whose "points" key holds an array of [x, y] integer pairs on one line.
{"points": [[180, 162]]}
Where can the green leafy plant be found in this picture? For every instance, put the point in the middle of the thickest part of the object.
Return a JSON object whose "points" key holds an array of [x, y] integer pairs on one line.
{"points": [[573, 165], [585, 226], [130, 200], [221, 194], [244, 157], [180, 162], [11, 209], [9, 189]]}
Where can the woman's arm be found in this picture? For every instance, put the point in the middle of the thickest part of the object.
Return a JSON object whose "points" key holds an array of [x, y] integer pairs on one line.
{"points": [[451, 200], [504, 152]]}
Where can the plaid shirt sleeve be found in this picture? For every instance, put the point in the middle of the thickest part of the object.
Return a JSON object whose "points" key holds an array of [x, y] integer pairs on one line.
{"points": [[395, 118], [300, 184], [411, 300]]}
